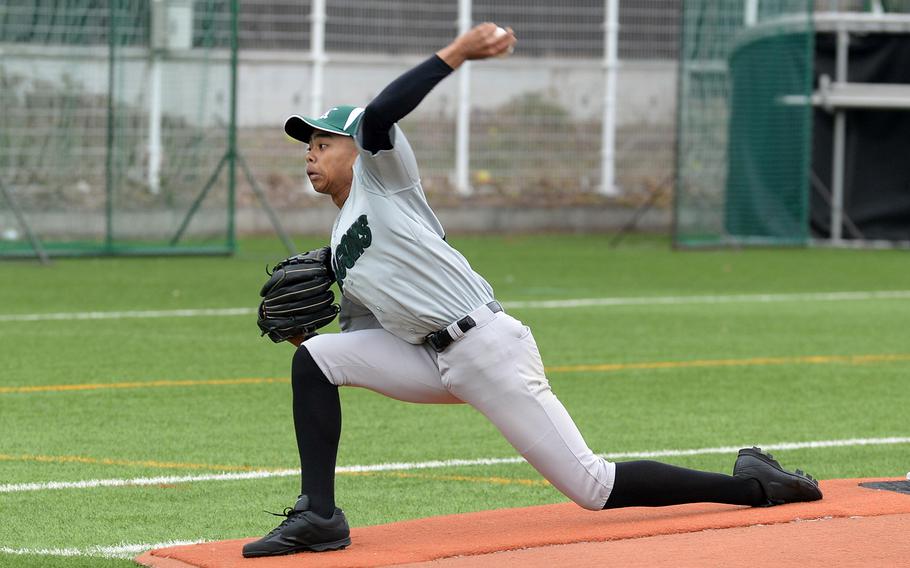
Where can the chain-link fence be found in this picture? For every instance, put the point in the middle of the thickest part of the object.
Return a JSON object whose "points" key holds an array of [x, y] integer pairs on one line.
{"points": [[538, 121], [110, 129], [536, 118]]}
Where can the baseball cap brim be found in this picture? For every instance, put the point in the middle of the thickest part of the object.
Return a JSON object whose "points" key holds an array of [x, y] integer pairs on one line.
{"points": [[302, 127], [340, 120]]}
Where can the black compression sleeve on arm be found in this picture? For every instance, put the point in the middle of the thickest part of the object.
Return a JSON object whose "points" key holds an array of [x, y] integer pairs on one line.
{"points": [[399, 98]]}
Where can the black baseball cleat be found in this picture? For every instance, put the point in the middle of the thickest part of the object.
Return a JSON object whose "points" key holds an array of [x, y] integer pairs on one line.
{"points": [[780, 486], [302, 530]]}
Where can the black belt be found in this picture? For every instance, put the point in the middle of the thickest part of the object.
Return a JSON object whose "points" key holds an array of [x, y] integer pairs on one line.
{"points": [[441, 339]]}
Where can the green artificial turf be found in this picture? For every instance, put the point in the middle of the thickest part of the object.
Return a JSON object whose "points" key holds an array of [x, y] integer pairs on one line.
{"points": [[192, 429]]}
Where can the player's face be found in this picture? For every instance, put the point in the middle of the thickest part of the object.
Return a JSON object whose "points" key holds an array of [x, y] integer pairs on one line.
{"points": [[330, 164]]}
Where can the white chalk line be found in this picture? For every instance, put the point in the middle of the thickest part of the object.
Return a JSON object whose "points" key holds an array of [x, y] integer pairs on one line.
{"points": [[139, 481], [715, 299], [188, 313], [434, 464], [114, 551], [131, 550], [537, 304]]}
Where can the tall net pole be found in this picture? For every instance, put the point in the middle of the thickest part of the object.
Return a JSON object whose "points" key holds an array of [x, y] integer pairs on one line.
{"points": [[232, 130]]}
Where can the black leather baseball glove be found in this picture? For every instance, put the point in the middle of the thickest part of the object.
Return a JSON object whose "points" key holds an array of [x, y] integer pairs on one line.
{"points": [[296, 300]]}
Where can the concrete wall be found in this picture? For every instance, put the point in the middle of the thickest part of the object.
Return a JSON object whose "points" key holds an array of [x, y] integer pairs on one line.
{"points": [[275, 84], [272, 88], [318, 221]]}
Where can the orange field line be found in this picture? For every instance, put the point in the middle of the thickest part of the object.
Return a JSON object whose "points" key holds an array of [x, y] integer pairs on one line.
{"points": [[142, 384], [755, 361], [604, 367]]}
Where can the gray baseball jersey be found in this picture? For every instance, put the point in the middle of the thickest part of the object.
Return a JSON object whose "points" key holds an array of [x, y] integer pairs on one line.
{"points": [[389, 252], [401, 281]]}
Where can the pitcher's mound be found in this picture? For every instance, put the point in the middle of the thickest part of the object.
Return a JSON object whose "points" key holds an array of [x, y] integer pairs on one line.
{"points": [[857, 523]]}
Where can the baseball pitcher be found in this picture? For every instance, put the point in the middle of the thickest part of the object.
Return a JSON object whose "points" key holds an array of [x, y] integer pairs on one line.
{"points": [[420, 325]]}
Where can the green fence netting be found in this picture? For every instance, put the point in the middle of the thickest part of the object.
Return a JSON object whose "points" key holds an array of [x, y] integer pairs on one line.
{"points": [[743, 146], [116, 126]]}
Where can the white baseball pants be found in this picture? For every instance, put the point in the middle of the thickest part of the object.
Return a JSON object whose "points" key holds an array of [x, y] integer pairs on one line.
{"points": [[496, 368]]}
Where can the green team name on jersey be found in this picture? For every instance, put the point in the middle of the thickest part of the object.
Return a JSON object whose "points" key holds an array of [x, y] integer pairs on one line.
{"points": [[354, 241]]}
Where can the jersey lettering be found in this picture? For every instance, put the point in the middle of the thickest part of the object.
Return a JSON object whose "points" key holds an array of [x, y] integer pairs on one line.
{"points": [[351, 246]]}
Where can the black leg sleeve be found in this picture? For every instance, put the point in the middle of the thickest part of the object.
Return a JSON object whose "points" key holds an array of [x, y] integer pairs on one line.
{"points": [[647, 483], [317, 422]]}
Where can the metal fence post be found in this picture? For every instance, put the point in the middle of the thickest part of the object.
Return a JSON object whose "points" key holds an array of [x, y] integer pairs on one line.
{"points": [[839, 140], [317, 52], [463, 117], [611, 65], [157, 44], [750, 13]]}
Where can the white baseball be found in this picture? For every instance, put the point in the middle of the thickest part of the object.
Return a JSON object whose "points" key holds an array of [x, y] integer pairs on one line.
{"points": [[500, 31]]}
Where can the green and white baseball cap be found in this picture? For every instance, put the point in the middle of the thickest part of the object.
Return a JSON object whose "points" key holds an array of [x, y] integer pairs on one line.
{"points": [[342, 120]]}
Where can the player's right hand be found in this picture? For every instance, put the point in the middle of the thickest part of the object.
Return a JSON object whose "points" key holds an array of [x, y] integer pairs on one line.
{"points": [[480, 42]]}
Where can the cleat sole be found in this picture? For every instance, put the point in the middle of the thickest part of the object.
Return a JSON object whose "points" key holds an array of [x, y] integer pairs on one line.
{"points": [[319, 547]]}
